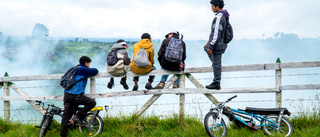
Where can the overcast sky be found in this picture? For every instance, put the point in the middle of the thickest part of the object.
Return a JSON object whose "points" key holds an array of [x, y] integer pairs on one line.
{"points": [[131, 18]]}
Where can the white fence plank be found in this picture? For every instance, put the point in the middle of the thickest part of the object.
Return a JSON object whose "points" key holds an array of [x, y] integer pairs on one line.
{"points": [[152, 92], [250, 67], [300, 87]]}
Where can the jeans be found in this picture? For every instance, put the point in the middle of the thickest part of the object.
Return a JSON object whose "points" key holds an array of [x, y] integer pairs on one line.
{"points": [[165, 77]]}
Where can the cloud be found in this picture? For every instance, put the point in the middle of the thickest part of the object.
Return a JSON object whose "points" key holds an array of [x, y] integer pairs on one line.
{"points": [[129, 19]]}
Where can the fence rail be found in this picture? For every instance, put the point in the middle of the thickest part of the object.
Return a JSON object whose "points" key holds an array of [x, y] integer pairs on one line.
{"points": [[6, 82]]}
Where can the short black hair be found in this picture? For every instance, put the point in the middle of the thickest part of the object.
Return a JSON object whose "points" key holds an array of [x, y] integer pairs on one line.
{"points": [[84, 59], [219, 3], [145, 36], [120, 40]]}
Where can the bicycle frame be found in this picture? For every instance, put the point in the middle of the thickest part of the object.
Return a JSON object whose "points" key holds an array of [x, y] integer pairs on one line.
{"points": [[245, 115], [252, 116], [95, 111], [270, 120]]}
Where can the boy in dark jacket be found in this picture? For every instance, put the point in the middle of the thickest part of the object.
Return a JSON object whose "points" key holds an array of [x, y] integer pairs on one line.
{"points": [[167, 65], [216, 46], [75, 96]]}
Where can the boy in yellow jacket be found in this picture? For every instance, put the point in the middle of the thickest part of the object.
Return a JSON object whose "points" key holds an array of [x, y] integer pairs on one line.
{"points": [[145, 43]]}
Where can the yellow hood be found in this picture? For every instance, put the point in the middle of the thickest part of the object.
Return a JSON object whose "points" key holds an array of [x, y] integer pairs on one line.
{"points": [[147, 45]]}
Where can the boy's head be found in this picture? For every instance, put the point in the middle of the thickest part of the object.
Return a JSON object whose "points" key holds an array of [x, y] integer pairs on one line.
{"points": [[172, 33], [85, 60], [216, 5], [122, 42], [146, 36]]}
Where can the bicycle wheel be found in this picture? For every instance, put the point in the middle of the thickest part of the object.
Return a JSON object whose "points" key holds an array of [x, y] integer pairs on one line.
{"points": [[213, 128], [95, 129], [45, 124], [285, 127]]}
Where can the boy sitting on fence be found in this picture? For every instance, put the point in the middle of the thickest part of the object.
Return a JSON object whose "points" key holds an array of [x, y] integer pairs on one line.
{"points": [[121, 61]]}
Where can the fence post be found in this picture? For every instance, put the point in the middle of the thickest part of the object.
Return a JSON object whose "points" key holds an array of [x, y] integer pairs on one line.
{"points": [[92, 85], [278, 82], [6, 92], [182, 97]]}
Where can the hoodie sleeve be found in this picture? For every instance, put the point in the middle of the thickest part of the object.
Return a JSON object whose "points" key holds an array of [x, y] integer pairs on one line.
{"points": [[85, 71], [215, 30], [162, 49], [126, 59], [184, 51], [151, 57]]}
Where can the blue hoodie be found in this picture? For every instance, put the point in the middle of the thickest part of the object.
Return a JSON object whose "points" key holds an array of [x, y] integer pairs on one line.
{"points": [[216, 37], [81, 73]]}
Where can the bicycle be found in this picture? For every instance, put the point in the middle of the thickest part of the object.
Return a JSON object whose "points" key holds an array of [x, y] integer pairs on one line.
{"points": [[94, 123], [270, 120]]}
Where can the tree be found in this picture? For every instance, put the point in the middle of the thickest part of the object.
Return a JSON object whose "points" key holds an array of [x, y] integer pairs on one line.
{"points": [[1, 36], [40, 31], [9, 42]]}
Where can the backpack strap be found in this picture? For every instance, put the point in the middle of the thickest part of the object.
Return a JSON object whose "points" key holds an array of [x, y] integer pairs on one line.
{"points": [[78, 66]]}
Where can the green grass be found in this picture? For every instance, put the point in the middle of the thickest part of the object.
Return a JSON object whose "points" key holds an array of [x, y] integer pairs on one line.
{"points": [[128, 126]]}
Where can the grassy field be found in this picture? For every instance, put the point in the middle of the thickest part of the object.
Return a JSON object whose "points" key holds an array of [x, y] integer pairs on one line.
{"points": [[155, 126]]}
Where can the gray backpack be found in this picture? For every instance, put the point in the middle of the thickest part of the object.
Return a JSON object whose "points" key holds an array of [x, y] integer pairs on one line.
{"points": [[174, 51], [141, 59], [68, 79]]}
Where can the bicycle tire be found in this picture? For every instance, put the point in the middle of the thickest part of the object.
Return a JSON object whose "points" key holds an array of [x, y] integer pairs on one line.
{"points": [[210, 123], [285, 126], [95, 129], [45, 124]]}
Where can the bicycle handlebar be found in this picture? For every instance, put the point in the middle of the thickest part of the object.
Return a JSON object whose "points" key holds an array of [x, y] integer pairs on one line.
{"points": [[231, 98], [38, 102]]}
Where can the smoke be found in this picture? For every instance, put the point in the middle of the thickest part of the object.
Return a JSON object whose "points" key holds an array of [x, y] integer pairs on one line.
{"points": [[51, 56]]}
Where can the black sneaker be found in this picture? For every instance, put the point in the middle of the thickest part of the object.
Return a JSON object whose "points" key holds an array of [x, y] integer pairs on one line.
{"points": [[214, 85], [135, 88], [148, 86], [110, 84], [124, 84]]}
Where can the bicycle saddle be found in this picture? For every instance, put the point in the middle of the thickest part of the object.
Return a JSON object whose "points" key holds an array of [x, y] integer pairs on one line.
{"points": [[265, 111]]}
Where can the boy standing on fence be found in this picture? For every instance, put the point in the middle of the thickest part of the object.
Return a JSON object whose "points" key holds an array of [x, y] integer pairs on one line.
{"points": [[216, 46], [75, 96]]}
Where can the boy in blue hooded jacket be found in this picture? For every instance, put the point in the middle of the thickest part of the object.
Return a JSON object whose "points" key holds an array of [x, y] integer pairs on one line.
{"points": [[216, 46], [75, 96]]}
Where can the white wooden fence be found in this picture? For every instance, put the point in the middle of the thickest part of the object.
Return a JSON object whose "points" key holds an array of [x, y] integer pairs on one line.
{"points": [[6, 82]]}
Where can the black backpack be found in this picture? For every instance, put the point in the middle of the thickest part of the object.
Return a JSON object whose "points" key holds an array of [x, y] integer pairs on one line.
{"points": [[174, 51], [68, 79], [112, 58], [228, 32]]}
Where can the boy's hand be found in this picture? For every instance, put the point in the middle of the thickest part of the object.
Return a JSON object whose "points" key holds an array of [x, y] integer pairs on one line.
{"points": [[209, 51]]}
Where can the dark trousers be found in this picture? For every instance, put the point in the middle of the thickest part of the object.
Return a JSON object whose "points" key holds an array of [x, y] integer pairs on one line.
{"points": [[151, 78], [216, 64], [71, 103]]}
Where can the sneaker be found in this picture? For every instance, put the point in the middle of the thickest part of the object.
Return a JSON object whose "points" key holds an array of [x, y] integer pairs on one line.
{"points": [[124, 84], [159, 86], [110, 84], [175, 85], [148, 86], [214, 85], [135, 88], [77, 121]]}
